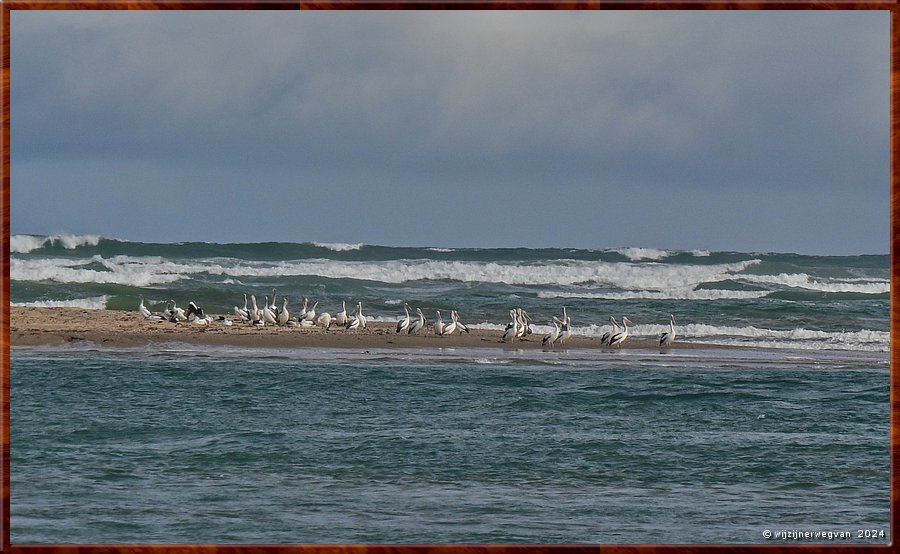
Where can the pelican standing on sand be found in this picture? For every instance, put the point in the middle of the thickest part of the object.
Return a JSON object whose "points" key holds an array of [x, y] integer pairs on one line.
{"points": [[564, 331], [618, 338], [283, 314], [143, 309], [604, 340], [451, 327], [512, 328], [418, 324], [551, 337], [439, 325], [403, 324], [667, 339], [341, 318], [243, 313]]}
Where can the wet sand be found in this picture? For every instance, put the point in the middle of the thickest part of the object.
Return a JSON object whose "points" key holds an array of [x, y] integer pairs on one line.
{"points": [[47, 326]]}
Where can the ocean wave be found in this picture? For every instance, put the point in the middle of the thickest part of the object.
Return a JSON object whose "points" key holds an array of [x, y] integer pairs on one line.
{"points": [[672, 294], [805, 281], [138, 271], [23, 244], [338, 246], [94, 303], [639, 254]]}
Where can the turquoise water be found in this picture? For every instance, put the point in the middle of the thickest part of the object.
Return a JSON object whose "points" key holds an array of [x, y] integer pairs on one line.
{"points": [[188, 444]]}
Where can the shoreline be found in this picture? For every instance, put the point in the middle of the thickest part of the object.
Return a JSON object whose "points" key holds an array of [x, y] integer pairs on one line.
{"points": [[33, 326]]}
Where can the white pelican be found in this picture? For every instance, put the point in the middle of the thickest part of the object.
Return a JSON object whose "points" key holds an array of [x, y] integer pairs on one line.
{"points": [[439, 325], [324, 320], [224, 320], [267, 314], [451, 327], [195, 315], [272, 305], [668, 338], [311, 313], [512, 329], [551, 337], [302, 313], [283, 314], [618, 338], [604, 340], [143, 309], [243, 313], [254, 313], [418, 324], [565, 328], [353, 324], [341, 317], [524, 328], [363, 322], [403, 324]]}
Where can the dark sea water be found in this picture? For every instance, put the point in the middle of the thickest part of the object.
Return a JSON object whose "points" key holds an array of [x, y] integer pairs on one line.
{"points": [[223, 445]]}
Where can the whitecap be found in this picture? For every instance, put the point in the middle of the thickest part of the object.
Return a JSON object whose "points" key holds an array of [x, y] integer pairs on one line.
{"points": [[639, 254], [338, 246], [93, 303]]}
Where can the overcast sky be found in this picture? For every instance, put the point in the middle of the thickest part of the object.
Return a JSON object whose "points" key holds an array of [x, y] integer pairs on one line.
{"points": [[745, 130]]}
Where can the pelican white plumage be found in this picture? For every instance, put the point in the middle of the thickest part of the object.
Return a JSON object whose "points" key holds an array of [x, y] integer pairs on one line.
{"points": [[451, 327], [143, 309], [363, 321], [302, 313], [267, 314], [341, 317], [565, 330], [550, 338], [618, 338], [439, 325], [254, 313], [604, 340], [272, 305], [324, 320], [243, 313], [418, 324], [403, 324], [512, 329], [667, 339], [283, 314], [310, 315]]}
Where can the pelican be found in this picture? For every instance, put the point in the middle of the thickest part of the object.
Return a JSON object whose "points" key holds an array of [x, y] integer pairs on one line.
{"points": [[565, 330], [325, 320], [283, 314], [363, 322], [668, 338], [302, 313], [403, 324], [512, 329], [551, 337], [604, 340], [439, 325], [272, 305], [254, 313], [451, 327], [143, 309], [353, 323], [418, 324], [224, 320], [524, 328], [243, 313], [267, 314], [341, 317], [311, 314], [617, 339], [195, 315]]}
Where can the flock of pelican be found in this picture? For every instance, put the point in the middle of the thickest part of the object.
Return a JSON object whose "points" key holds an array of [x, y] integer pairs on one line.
{"points": [[271, 314]]}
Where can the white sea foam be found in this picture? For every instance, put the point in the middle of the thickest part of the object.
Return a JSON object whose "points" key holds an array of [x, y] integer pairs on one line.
{"points": [[144, 271], [671, 294], [435, 249], [805, 281], [338, 246], [93, 303], [23, 244], [639, 254], [701, 253]]}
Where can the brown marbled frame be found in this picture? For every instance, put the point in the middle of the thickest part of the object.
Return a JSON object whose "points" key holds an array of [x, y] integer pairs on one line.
{"points": [[7, 5]]}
